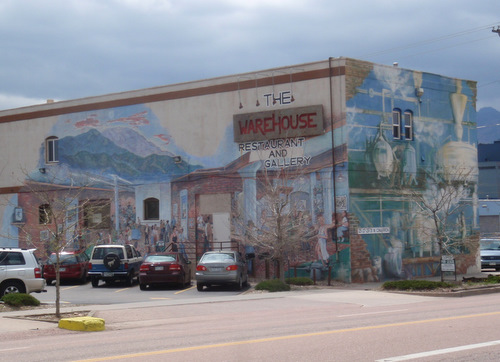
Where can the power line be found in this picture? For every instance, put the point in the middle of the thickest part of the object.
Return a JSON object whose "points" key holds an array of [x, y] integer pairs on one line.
{"points": [[435, 40]]}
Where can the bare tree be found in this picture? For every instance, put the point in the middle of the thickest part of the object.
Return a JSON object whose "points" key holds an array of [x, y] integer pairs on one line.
{"points": [[60, 211], [444, 201], [282, 228]]}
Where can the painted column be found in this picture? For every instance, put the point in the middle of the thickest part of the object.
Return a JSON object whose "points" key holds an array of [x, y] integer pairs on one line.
{"points": [[326, 182], [248, 174]]}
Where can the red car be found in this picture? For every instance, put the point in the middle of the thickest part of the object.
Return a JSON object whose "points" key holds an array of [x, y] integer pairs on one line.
{"points": [[73, 265], [164, 268]]}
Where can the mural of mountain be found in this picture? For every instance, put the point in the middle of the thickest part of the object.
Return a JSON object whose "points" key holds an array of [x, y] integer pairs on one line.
{"points": [[140, 145], [488, 125], [92, 139], [91, 152]]}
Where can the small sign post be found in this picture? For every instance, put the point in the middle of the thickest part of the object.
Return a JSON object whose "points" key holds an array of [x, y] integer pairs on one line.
{"points": [[448, 265]]}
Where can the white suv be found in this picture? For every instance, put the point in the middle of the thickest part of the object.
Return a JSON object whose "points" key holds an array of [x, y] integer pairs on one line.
{"points": [[20, 272]]}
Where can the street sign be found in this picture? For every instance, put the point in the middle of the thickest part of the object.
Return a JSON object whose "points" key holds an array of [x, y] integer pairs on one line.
{"points": [[447, 263]]}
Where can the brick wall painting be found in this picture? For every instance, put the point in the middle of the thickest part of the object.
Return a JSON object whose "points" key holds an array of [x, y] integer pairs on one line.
{"points": [[390, 138]]}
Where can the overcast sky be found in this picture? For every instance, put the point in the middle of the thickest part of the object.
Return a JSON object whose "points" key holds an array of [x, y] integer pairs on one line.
{"points": [[68, 49]]}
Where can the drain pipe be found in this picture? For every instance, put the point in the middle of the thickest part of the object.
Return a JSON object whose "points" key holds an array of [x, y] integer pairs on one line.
{"points": [[333, 141], [333, 163]]}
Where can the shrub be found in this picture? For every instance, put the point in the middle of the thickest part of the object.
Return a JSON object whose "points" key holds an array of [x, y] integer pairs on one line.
{"points": [[415, 285], [493, 279], [20, 299], [299, 281], [273, 285]]}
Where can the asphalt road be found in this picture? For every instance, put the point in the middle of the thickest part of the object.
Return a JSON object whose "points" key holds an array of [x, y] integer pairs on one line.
{"points": [[119, 293], [315, 325]]}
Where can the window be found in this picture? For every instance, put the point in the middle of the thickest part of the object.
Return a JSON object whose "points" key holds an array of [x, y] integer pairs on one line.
{"points": [[151, 209], [44, 214], [130, 255], [396, 124], [402, 129], [52, 150], [12, 258], [96, 214], [408, 117]]}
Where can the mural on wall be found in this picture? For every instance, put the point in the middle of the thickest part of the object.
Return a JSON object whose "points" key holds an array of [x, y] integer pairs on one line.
{"points": [[131, 153], [414, 144], [358, 225]]}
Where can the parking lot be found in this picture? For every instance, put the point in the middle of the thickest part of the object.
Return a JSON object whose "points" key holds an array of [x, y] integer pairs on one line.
{"points": [[76, 293]]}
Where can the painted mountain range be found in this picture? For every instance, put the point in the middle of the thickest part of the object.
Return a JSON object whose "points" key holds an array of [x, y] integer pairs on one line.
{"points": [[121, 153]]}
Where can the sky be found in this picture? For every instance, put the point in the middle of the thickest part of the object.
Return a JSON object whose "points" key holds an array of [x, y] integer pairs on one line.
{"points": [[70, 49]]}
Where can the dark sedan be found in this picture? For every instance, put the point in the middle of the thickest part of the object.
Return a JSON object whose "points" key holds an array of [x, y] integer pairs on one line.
{"points": [[73, 265], [164, 269]]}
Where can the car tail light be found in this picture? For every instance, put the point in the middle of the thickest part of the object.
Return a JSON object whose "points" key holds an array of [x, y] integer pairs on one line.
{"points": [[232, 267], [125, 265], [144, 268], [175, 267], [201, 268], [90, 266], [38, 273]]}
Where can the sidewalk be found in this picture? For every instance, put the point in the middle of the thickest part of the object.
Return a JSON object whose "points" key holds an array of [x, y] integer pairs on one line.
{"points": [[17, 321]]}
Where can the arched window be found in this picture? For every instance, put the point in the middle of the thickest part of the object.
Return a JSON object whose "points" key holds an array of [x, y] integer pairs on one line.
{"points": [[151, 209], [51, 149], [396, 123]]}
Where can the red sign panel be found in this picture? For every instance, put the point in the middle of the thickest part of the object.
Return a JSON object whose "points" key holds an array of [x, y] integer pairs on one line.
{"points": [[280, 123]]}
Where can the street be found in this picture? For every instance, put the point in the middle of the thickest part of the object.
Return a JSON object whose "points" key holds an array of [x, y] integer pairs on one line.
{"points": [[328, 325], [119, 293]]}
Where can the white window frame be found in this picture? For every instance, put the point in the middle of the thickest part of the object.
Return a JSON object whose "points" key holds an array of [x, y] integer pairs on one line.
{"points": [[408, 127], [51, 150], [396, 124]]}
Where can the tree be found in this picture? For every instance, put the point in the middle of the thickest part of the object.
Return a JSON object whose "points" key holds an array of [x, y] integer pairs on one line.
{"points": [[445, 201], [282, 228], [60, 211]]}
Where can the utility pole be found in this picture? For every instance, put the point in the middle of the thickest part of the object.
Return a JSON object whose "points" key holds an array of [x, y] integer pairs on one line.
{"points": [[497, 30]]}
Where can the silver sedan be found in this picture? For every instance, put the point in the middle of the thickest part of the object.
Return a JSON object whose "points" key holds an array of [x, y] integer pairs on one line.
{"points": [[221, 267]]}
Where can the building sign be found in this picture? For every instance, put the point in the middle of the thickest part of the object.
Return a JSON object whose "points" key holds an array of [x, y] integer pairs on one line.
{"points": [[280, 153], [374, 230], [279, 123]]}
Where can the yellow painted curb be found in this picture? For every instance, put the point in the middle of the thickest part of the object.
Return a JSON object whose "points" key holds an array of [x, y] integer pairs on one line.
{"points": [[86, 324]]}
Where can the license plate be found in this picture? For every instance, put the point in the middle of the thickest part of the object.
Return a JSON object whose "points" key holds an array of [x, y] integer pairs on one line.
{"points": [[107, 274], [493, 263], [159, 268], [62, 269], [215, 269]]}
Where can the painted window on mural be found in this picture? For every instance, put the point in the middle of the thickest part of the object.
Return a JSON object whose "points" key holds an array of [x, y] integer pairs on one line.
{"points": [[52, 150], [151, 209], [96, 214], [408, 117], [44, 213], [396, 124]]}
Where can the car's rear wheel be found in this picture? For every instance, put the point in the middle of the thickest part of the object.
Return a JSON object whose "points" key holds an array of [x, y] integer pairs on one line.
{"points": [[143, 286], [129, 280], [199, 286], [49, 281], [240, 283], [83, 278], [95, 282], [12, 287]]}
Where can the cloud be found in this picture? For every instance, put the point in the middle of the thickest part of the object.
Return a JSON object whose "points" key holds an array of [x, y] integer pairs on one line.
{"points": [[68, 49]]}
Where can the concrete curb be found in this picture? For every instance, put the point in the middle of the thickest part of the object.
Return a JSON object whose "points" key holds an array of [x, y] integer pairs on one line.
{"points": [[85, 324]]}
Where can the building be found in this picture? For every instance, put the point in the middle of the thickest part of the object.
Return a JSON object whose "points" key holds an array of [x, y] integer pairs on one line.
{"points": [[357, 138]]}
